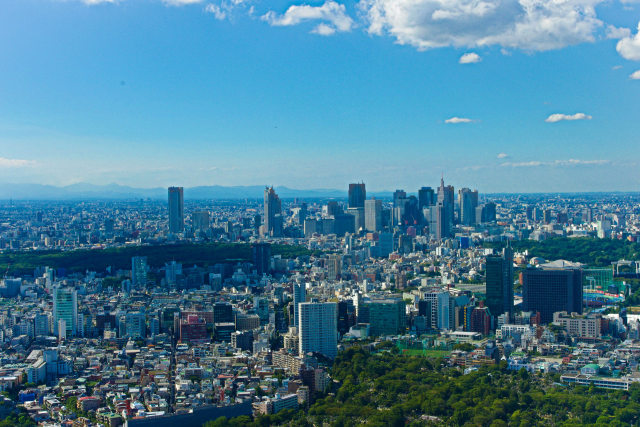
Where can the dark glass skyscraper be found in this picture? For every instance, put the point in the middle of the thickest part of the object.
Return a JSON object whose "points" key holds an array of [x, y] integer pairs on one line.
{"points": [[499, 281], [176, 210], [357, 195], [549, 290], [426, 197], [272, 213]]}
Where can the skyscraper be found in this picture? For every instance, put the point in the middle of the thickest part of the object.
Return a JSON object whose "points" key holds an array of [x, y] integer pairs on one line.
{"points": [[442, 223], [299, 296], [385, 316], [468, 203], [261, 254], [272, 213], [426, 198], [557, 286], [176, 210], [373, 215], [499, 281], [318, 328], [65, 308], [446, 199], [357, 195], [139, 271], [200, 220]]}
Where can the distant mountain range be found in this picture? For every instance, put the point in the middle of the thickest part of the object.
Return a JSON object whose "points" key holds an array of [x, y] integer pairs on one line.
{"points": [[84, 191]]}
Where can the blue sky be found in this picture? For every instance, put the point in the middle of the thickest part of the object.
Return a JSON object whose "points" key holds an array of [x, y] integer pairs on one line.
{"points": [[499, 95]]}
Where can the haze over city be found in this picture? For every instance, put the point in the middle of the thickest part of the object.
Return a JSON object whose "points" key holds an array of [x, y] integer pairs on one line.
{"points": [[318, 94]]}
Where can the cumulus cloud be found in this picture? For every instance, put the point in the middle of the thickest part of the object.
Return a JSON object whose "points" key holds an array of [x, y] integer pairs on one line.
{"points": [[635, 75], [470, 58], [503, 156], [533, 25], [569, 162], [324, 30], [456, 120], [333, 15], [554, 118], [614, 32], [629, 47], [15, 163]]}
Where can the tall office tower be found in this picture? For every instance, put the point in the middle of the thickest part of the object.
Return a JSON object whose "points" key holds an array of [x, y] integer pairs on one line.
{"points": [[546, 216], [373, 215], [399, 197], [318, 328], [529, 212], [41, 325], [385, 316], [446, 312], [200, 220], [261, 254], [334, 266], [222, 312], [299, 296], [332, 208], [176, 210], [358, 218], [272, 213], [302, 213], [443, 227], [135, 325], [357, 195], [556, 286], [489, 211], [65, 307], [139, 271], [346, 316], [499, 281], [468, 203], [446, 196], [426, 198]]}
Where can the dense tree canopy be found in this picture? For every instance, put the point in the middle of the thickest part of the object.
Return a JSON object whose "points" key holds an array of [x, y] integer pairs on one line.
{"points": [[587, 250], [388, 389]]}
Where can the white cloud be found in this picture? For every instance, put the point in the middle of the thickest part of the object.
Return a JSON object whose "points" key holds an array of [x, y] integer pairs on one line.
{"points": [[456, 120], [554, 118], [629, 46], [333, 14], [533, 25], [15, 163], [503, 156], [552, 163], [470, 58], [324, 30], [635, 75], [216, 11], [614, 32]]}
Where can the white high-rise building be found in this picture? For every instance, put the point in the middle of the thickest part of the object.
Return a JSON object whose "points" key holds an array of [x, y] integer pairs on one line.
{"points": [[299, 295], [373, 215], [65, 307], [318, 330]]}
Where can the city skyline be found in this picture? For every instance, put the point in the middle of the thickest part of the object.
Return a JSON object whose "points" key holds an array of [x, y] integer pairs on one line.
{"points": [[313, 95]]}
